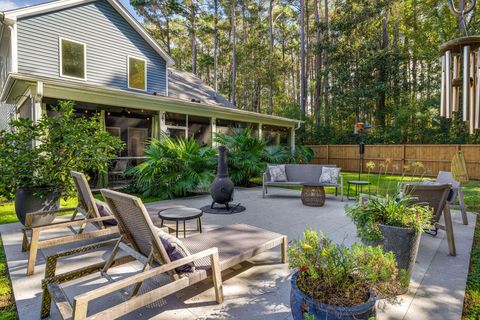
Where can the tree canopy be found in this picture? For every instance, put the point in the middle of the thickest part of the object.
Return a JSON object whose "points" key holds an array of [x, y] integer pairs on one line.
{"points": [[373, 61]]}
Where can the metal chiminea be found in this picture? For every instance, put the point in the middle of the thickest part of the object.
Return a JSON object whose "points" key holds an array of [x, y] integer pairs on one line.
{"points": [[222, 187]]}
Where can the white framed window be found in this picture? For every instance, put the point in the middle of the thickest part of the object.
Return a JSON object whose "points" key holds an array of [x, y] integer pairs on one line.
{"points": [[137, 73], [73, 59]]}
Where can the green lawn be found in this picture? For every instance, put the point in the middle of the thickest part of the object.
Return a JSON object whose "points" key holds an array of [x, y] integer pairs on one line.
{"points": [[386, 184]]}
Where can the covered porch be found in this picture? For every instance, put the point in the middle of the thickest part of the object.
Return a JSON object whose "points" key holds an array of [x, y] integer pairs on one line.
{"points": [[137, 117]]}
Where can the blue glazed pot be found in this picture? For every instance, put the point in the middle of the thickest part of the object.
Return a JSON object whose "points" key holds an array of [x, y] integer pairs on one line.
{"points": [[301, 303]]}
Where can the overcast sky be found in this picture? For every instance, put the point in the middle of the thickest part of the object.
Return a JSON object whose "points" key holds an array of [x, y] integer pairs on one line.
{"points": [[12, 4]]}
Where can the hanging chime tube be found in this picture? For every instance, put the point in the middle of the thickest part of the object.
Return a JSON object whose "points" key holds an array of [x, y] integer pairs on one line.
{"points": [[455, 89], [448, 84], [442, 92], [466, 82], [477, 93]]}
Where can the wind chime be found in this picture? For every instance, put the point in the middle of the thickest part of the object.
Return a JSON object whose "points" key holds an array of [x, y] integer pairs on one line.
{"points": [[461, 74]]}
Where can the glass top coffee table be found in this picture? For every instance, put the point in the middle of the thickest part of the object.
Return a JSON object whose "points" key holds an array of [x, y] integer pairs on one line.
{"points": [[181, 214]]}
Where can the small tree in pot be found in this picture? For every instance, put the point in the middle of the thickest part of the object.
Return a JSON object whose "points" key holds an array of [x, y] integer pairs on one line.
{"points": [[36, 158], [336, 282]]}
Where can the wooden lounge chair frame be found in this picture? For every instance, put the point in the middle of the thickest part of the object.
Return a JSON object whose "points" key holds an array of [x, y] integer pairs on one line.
{"points": [[89, 214], [440, 205], [145, 246]]}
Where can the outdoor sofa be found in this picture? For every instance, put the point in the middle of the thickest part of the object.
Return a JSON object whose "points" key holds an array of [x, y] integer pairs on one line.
{"points": [[210, 252], [298, 174]]}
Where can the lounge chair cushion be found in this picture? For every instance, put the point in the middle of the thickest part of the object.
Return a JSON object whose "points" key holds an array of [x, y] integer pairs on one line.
{"points": [[104, 211], [329, 175], [175, 250], [277, 173]]}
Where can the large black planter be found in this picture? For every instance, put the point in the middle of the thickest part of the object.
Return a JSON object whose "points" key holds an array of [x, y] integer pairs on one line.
{"points": [[27, 201], [403, 242], [300, 304]]}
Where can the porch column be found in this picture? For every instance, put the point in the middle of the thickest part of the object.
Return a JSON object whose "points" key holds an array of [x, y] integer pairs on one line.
{"points": [[292, 140], [213, 125], [37, 102], [161, 123], [37, 106], [260, 132]]}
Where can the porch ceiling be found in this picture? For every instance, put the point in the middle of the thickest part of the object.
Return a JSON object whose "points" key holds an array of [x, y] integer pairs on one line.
{"points": [[73, 90]]}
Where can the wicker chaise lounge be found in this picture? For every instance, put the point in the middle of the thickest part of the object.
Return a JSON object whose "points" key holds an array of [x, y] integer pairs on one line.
{"points": [[89, 214], [211, 253]]}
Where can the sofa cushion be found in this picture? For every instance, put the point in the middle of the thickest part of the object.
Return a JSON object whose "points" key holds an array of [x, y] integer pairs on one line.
{"points": [[329, 175], [175, 250], [277, 173]]}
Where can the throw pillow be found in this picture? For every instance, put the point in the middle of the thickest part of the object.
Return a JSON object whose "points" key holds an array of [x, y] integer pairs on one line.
{"points": [[329, 175], [277, 173], [175, 250], [104, 211]]}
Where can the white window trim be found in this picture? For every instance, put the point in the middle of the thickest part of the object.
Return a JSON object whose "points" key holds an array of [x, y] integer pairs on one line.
{"points": [[128, 73], [60, 58]]}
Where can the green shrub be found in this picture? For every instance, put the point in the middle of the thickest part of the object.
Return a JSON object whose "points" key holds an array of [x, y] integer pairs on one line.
{"points": [[337, 275], [248, 155], [174, 168], [390, 210], [42, 154]]}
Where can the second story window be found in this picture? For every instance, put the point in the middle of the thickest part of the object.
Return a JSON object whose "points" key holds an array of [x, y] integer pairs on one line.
{"points": [[137, 73], [73, 59]]}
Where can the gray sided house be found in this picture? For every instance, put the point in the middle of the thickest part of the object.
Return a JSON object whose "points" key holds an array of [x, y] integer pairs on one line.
{"points": [[95, 53]]}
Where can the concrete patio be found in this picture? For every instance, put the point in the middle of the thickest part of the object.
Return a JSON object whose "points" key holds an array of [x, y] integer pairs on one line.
{"points": [[260, 288]]}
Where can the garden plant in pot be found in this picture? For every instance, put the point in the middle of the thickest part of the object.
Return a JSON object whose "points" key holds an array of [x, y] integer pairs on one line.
{"points": [[336, 282], [36, 158], [395, 222]]}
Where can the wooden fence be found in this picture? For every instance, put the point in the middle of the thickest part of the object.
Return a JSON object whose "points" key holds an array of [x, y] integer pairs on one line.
{"points": [[435, 157]]}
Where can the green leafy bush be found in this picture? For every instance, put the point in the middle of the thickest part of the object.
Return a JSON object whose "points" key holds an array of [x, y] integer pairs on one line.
{"points": [[390, 210], [174, 168], [337, 275], [248, 155], [42, 154]]}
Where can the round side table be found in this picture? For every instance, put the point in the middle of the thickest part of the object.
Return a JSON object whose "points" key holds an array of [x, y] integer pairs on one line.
{"points": [[358, 185], [313, 194], [181, 214]]}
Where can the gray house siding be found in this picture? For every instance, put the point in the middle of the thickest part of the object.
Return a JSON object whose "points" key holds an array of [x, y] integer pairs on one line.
{"points": [[109, 40]]}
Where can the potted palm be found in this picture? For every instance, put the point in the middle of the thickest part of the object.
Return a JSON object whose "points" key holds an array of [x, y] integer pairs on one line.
{"points": [[336, 282], [36, 158]]}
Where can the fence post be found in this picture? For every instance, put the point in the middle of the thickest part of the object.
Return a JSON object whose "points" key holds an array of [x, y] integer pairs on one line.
{"points": [[403, 158], [328, 161]]}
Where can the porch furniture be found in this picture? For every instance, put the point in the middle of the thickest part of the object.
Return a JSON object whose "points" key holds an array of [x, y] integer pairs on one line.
{"points": [[89, 215], [436, 196], [446, 177], [313, 194], [358, 185], [181, 214], [118, 170], [298, 174], [211, 253]]}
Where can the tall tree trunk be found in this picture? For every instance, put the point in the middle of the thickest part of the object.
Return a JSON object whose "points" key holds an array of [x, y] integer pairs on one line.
{"points": [[234, 54], [167, 27], [326, 82], [215, 48], [382, 72], [302, 59], [318, 67], [270, 98], [193, 36]]}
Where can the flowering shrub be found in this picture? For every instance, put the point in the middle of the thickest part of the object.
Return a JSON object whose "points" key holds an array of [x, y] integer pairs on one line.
{"points": [[341, 276]]}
